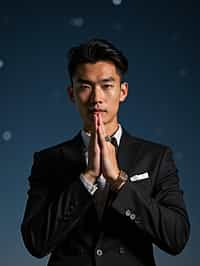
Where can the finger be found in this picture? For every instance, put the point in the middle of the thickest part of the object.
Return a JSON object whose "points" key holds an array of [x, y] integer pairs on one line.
{"points": [[96, 129], [94, 135], [101, 124], [101, 131], [93, 139]]}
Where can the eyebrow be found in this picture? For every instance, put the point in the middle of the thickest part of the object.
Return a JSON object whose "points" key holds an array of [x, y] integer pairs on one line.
{"points": [[80, 80], [109, 79]]}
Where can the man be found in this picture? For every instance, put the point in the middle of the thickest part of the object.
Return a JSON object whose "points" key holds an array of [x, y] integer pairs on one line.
{"points": [[103, 197]]}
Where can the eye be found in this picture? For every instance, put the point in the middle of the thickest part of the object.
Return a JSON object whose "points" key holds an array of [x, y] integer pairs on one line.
{"points": [[84, 86], [107, 86]]}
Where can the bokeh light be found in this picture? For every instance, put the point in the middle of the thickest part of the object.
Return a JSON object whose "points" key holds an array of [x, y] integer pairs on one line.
{"points": [[7, 135], [117, 2], [2, 63], [77, 22]]}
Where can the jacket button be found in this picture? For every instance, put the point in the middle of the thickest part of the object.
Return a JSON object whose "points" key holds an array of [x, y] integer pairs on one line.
{"points": [[128, 212], [99, 252], [132, 216], [121, 250]]}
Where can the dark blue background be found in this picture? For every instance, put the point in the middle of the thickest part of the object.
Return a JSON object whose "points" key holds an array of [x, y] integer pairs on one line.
{"points": [[161, 40]]}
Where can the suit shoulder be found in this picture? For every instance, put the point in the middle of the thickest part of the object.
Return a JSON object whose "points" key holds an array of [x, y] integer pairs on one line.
{"points": [[148, 144], [55, 148], [152, 144]]}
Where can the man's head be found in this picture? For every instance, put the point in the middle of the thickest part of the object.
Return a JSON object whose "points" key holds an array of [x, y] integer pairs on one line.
{"points": [[96, 70], [93, 51]]}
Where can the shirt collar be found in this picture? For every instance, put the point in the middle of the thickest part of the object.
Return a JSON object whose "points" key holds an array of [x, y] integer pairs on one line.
{"points": [[86, 136]]}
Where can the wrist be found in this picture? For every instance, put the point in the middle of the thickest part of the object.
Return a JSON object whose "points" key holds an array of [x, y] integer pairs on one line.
{"points": [[89, 176], [119, 181]]}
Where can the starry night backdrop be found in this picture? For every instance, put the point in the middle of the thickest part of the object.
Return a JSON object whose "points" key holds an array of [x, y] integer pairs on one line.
{"points": [[161, 40]]}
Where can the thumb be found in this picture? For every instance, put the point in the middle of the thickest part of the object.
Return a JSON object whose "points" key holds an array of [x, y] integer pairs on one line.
{"points": [[94, 133]]}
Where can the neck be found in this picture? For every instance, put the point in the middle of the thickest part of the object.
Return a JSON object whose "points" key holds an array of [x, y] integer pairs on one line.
{"points": [[111, 131]]}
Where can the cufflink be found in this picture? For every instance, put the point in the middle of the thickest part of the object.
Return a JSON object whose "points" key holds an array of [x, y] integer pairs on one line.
{"points": [[93, 189]]}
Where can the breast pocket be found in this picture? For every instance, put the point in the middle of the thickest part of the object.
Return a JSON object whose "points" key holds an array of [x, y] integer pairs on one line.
{"points": [[143, 183]]}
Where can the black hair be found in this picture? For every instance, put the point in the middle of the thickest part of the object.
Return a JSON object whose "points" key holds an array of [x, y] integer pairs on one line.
{"points": [[95, 50]]}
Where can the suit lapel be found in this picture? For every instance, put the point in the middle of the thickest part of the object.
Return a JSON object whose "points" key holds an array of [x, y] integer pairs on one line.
{"points": [[128, 152], [74, 155]]}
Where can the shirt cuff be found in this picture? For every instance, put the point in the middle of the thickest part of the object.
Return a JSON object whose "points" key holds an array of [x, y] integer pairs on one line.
{"points": [[91, 188]]}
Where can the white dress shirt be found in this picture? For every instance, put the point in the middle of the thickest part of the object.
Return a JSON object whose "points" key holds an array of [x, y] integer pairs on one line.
{"points": [[101, 180]]}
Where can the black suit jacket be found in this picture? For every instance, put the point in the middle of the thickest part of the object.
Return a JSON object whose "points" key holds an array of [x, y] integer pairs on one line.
{"points": [[60, 216]]}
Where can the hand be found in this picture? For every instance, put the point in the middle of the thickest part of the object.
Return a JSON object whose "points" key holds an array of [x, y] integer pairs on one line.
{"points": [[109, 164], [93, 169]]}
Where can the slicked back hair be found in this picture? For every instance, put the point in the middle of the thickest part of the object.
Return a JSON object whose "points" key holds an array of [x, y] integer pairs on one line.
{"points": [[95, 50]]}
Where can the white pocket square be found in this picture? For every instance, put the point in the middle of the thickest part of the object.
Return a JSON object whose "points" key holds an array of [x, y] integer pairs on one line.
{"points": [[139, 177]]}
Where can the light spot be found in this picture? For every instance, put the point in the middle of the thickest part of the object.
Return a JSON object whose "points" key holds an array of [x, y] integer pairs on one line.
{"points": [[77, 22], [7, 135], [2, 63], [116, 2]]}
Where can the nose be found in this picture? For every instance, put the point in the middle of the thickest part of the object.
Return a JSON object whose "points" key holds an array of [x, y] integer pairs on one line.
{"points": [[96, 95]]}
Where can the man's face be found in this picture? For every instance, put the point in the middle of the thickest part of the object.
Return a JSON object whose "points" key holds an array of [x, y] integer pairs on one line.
{"points": [[97, 89]]}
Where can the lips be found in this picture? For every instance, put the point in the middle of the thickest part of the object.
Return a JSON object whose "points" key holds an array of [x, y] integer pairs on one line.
{"points": [[96, 110]]}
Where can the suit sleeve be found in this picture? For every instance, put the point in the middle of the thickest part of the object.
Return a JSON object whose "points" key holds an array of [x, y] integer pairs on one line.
{"points": [[51, 214], [162, 217]]}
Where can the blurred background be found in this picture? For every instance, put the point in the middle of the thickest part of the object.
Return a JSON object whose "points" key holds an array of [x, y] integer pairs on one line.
{"points": [[161, 40]]}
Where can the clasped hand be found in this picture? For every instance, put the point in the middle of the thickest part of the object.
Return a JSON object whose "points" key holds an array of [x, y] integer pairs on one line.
{"points": [[101, 154]]}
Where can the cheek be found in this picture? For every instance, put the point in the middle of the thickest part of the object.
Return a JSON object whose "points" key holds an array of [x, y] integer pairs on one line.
{"points": [[82, 98], [113, 104], [113, 98]]}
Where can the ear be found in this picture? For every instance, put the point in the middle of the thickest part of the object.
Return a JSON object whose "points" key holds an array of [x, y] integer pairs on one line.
{"points": [[71, 93], [123, 91]]}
